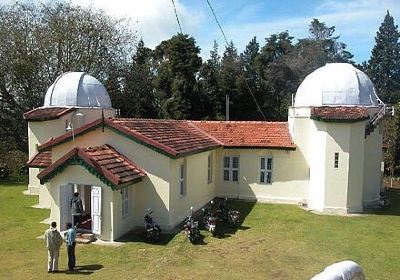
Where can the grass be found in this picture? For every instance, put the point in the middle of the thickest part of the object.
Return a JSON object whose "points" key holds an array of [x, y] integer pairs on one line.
{"points": [[274, 242]]}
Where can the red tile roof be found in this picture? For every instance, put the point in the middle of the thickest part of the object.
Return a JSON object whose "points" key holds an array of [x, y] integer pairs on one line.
{"points": [[46, 113], [249, 134], [174, 136], [339, 113], [177, 138], [171, 137], [41, 160], [109, 165]]}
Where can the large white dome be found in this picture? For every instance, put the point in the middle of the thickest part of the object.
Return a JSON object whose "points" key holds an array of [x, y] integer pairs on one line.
{"points": [[77, 89], [336, 84]]}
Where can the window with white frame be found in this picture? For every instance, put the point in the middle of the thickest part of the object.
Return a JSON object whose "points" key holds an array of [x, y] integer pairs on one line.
{"points": [[182, 179], [209, 169], [125, 202], [231, 168], [266, 170]]}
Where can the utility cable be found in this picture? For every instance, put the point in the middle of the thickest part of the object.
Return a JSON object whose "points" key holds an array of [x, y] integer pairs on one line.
{"points": [[255, 100], [176, 15], [219, 25], [227, 44]]}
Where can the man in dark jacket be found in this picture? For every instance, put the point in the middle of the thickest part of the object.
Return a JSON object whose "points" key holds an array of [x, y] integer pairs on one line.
{"points": [[76, 209], [70, 239]]}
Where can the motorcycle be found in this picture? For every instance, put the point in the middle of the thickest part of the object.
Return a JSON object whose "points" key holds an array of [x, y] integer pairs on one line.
{"points": [[153, 230], [226, 215], [191, 228], [384, 201], [209, 221]]}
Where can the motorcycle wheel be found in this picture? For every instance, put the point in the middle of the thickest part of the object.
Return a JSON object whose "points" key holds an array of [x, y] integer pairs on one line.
{"points": [[192, 239]]}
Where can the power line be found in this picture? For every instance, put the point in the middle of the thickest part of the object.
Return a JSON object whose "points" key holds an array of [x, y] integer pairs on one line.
{"points": [[227, 44], [176, 15], [255, 100], [216, 19]]}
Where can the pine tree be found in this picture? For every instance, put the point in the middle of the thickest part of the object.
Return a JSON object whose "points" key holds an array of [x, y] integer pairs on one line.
{"points": [[212, 99], [178, 63], [138, 96], [277, 77], [384, 65], [230, 71], [249, 83]]}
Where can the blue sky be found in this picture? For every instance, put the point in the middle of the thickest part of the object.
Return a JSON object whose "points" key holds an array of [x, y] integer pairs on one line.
{"points": [[356, 21]]}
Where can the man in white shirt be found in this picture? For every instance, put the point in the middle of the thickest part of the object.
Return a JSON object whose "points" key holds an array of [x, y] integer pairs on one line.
{"points": [[53, 241]]}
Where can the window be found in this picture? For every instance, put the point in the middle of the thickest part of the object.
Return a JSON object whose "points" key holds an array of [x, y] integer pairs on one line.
{"points": [[125, 202], [266, 170], [182, 181], [209, 169], [336, 163], [231, 168]]}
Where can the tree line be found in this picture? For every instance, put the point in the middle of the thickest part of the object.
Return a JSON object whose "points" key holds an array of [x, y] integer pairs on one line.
{"points": [[38, 42]]}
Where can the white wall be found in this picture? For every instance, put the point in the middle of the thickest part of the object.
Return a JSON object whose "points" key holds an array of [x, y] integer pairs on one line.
{"points": [[76, 174], [372, 167], [41, 131], [153, 192], [198, 190], [289, 176], [356, 167], [336, 179]]}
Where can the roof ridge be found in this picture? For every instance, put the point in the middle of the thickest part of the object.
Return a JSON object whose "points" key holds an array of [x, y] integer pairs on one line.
{"points": [[83, 153], [145, 138], [205, 133]]}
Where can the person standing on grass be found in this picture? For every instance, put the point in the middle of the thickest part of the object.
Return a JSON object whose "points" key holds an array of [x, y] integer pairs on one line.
{"points": [[70, 236], [76, 209], [53, 241]]}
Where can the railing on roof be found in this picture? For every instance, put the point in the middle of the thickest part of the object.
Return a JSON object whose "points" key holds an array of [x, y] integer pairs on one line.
{"points": [[386, 110]]}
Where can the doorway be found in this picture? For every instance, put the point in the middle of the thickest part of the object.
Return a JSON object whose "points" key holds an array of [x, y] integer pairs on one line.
{"points": [[85, 194], [91, 202]]}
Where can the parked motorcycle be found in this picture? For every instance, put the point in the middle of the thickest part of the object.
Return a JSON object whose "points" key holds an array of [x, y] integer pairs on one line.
{"points": [[209, 220], [384, 201], [153, 230], [226, 215], [191, 228]]}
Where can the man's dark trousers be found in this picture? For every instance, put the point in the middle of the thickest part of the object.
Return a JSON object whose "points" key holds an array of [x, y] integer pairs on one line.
{"points": [[77, 220], [71, 255]]}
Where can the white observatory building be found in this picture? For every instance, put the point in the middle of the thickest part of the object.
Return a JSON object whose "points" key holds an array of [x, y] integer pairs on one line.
{"points": [[327, 156]]}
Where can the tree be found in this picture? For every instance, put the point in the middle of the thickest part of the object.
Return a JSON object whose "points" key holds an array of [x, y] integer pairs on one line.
{"points": [[178, 63], [391, 137], [137, 97], [230, 71], [38, 43], [210, 90], [322, 35], [250, 93], [384, 65], [279, 81]]}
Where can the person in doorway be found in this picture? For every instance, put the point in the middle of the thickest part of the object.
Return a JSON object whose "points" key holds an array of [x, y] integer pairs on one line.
{"points": [[53, 241], [76, 209], [70, 237]]}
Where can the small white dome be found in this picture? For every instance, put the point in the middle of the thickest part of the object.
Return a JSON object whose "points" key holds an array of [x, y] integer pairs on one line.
{"points": [[77, 89], [336, 84]]}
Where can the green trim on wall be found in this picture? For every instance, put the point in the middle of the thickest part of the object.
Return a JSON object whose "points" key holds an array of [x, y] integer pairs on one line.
{"points": [[78, 161]]}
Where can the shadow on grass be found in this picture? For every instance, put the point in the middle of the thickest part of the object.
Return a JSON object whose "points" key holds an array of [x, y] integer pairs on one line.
{"points": [[83, 269], [140, 236], [225, 229], [394, 205]]}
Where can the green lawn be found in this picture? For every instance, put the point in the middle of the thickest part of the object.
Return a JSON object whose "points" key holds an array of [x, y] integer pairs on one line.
{"points": [[274, 242]]}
